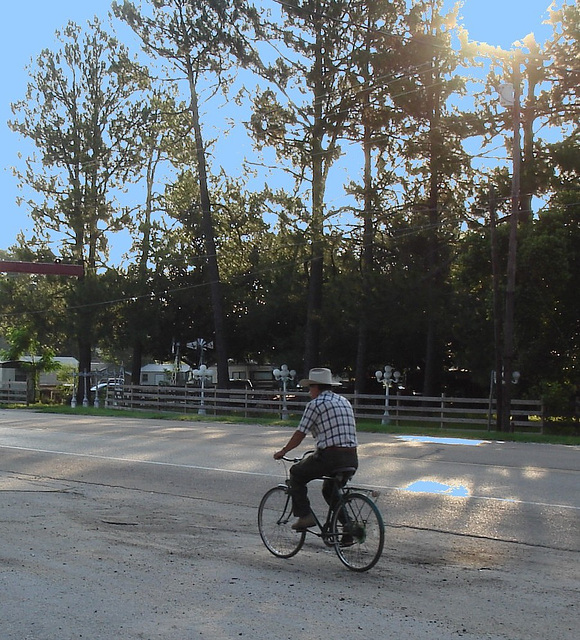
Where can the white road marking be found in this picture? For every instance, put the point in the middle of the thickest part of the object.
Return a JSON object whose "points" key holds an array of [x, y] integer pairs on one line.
{"points": [[270, 475], [439, 440]]}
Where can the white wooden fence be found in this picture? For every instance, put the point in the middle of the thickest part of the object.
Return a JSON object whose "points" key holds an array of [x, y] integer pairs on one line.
{"points": [[397, 410], [527, 415], [13, 393]]}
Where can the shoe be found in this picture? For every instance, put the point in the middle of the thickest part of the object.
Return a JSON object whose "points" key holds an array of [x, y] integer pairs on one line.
{"points": [[304, 522], [347, 540]]}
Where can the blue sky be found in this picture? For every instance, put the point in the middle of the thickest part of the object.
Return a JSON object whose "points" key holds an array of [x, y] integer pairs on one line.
{"points": [[28, 26]]}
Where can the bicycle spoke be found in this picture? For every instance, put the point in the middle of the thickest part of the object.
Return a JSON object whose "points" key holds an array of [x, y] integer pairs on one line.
{"points": [[274, 524], [360, 533]]}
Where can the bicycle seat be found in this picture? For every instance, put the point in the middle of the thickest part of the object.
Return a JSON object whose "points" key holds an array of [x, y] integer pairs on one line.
{"points": [[342, 474]]}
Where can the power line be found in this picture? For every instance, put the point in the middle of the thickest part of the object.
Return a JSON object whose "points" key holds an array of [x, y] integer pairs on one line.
{"points": [[412, 230]]}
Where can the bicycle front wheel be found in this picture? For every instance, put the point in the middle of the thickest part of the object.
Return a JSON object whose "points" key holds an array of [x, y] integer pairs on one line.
{"points": [[359, 532], [274, 524]]}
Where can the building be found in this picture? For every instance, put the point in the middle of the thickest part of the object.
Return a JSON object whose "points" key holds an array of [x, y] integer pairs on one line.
{"points": [[164, 373], [13, 371], [260, 376]]}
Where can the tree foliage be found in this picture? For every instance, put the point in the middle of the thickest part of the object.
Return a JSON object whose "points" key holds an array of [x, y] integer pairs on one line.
{"points": [[200, 40], [388, 263], [83, 117]]}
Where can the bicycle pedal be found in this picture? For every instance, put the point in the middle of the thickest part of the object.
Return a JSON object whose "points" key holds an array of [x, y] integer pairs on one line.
{"points": [[347, 541]]}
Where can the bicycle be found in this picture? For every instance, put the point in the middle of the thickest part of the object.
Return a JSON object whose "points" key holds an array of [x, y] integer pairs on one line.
{"points": [[353, 526]]}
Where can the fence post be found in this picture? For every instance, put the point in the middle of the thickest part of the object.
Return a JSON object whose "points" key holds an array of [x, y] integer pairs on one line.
{"points": [[442, 410]]}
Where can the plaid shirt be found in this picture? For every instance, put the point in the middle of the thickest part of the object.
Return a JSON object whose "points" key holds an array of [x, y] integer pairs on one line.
{"points": [[330, 420]]}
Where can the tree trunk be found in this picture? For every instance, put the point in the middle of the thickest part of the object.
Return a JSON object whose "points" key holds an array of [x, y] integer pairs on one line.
{"points": [[367, 253], [85, 363], [432, 374], [508, 334], [136, 362], [313, 319], [137, 356], [210, 246], [367, 263]]}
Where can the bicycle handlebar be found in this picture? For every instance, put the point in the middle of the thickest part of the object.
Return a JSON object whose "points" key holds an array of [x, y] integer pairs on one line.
{"points": [[295, 460]]}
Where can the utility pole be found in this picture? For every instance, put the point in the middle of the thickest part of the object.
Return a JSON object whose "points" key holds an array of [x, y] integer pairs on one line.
{"points": [[495, 375], [505, 376]]}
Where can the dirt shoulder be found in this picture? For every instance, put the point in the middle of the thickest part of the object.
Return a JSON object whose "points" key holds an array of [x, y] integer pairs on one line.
{"points": [[90, 561]]}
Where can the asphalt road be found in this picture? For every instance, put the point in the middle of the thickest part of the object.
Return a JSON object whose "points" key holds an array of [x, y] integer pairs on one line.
{"points": [[122, 528]]}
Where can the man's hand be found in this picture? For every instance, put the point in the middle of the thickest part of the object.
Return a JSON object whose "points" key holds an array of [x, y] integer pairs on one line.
{"points": [[294, 441]]}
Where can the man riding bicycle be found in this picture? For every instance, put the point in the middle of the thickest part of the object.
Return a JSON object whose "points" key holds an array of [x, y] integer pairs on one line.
{"points": [[329, 417]]}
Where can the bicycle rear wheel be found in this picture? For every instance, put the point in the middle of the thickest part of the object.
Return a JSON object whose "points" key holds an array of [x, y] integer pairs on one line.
{"points": [[359, 532], [274, 516]]}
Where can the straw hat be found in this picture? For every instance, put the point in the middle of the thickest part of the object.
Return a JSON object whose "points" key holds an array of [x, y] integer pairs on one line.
{"points": [[320, 375]]}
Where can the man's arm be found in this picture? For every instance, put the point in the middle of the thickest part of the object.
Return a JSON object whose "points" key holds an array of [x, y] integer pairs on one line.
{"points": [[294, 441]]}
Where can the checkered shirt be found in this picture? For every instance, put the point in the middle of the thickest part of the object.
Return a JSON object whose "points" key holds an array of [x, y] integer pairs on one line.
{"points": [[330, 420]]}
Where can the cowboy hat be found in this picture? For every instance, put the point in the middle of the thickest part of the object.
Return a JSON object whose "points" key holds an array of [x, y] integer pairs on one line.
{"points": [[320, 375]]}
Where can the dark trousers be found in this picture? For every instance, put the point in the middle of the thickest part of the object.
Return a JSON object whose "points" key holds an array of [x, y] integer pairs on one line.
{"points": [[322, 462]]}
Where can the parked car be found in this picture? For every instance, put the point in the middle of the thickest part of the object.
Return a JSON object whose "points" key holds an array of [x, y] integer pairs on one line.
{"points": [[110, 382], [241, 383]]}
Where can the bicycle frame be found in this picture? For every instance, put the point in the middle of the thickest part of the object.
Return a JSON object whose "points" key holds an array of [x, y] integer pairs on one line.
{"points": [[324, 532]]}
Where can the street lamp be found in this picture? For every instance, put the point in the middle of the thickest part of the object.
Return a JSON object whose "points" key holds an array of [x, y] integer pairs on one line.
{"points": [[387, 378], [201, 374], [73, 400], [86, 397], [81, 378], [96, 402], [285, 375]]}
